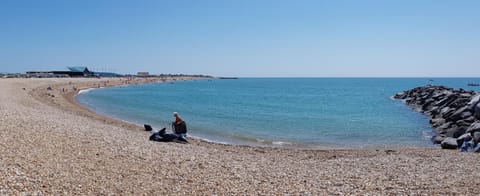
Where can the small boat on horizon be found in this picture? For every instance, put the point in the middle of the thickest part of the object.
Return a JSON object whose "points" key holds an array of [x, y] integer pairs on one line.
{"points": [[473, 84]]}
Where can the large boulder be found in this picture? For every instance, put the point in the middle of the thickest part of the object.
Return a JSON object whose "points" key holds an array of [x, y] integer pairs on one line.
{"points": [[438, 139], [409, 100], [449, 143], [437, 122], [474, 105], [466, 115], [470, 119], [476, 138], [462, 138], [476, 111], [475, 127], [445, 110], [434, 111], [454, 131], [445, 126], [449, 112], [401, 95], [474, 101], [428, 104], [463, 123], [459, 102], [457, 115], [440, 95], [466, 95], [447, 100]]}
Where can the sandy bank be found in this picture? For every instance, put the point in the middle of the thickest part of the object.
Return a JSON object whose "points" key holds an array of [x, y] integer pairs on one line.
{"points": [[50, 145]]}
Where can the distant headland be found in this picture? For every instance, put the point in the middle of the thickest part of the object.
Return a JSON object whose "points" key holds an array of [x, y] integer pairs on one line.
{"points": [[227, 78]]}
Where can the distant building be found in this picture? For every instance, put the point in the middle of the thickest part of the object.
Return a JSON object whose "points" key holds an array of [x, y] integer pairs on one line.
{"points": [[73, 72], [45, 74], [143, 74]]}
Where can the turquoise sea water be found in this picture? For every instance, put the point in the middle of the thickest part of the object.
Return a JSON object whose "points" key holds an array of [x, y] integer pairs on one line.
{"points": [[308, 112]]}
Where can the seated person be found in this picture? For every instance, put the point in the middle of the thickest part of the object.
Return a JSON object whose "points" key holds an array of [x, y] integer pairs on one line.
{"points": [[467, 144], [179, 126]]}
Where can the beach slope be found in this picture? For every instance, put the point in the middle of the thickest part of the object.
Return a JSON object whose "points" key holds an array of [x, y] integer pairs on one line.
{"points": [[51, 145]]}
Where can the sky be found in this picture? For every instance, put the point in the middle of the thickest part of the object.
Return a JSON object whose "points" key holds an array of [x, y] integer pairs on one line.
{"points": [[244, 38]]}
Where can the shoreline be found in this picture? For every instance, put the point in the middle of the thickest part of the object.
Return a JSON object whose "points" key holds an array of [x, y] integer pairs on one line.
{"points": [[255, 142], [84, 89], [233, 141], [51, 146]]}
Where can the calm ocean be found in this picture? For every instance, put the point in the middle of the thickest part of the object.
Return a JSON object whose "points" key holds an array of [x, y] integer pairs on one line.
{"points": [[307, 112]]}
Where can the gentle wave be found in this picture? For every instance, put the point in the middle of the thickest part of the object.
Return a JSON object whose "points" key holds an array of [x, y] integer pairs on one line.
{"points": [[85, 90]]}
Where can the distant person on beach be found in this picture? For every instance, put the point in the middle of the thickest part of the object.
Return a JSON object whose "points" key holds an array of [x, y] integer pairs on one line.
{"points": [[467, 144], [179, 126]]}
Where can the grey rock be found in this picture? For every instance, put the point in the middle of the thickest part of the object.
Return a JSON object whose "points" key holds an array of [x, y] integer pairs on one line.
{"points": [[434, 111], [459, 102], [466, 95], [449, 143], [465, 115], [457, 115], [444, 110], [470, 119], [438, 139], [401, 95], [475, 127], [447, 100], [440, 95], [445, 126], [463, 123], [455, 131], [408, 100], [474, 101], [461, 130], [427, 105], [437, 122], [462, 138], [476, 111], [476, 137]]}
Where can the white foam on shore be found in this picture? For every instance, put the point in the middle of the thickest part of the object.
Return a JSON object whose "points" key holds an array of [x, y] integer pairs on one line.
{"points": [[85, 90], [209, 140], [280, 143]]}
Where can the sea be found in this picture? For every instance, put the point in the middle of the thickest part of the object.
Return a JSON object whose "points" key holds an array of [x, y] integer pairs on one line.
{"points": [[282, 112]]}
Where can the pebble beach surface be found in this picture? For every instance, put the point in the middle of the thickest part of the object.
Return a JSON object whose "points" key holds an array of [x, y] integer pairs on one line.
{"points": [[51, 145]]}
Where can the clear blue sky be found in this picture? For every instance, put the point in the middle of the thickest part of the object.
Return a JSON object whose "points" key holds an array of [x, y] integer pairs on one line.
{"points": [[332, 38]]}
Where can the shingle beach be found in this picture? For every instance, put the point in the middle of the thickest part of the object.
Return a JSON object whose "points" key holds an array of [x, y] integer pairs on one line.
{"points": [[50, 145]]}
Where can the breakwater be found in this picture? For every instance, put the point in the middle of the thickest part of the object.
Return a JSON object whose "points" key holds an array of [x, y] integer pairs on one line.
{"points": [[454, 113]]}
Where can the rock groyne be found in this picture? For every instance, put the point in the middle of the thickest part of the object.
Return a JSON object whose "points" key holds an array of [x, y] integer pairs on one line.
{"points": [[454, 113]]}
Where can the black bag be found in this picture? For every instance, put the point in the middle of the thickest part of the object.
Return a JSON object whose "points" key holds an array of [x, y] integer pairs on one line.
{"points": [[161, 136], [147, 127]]}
